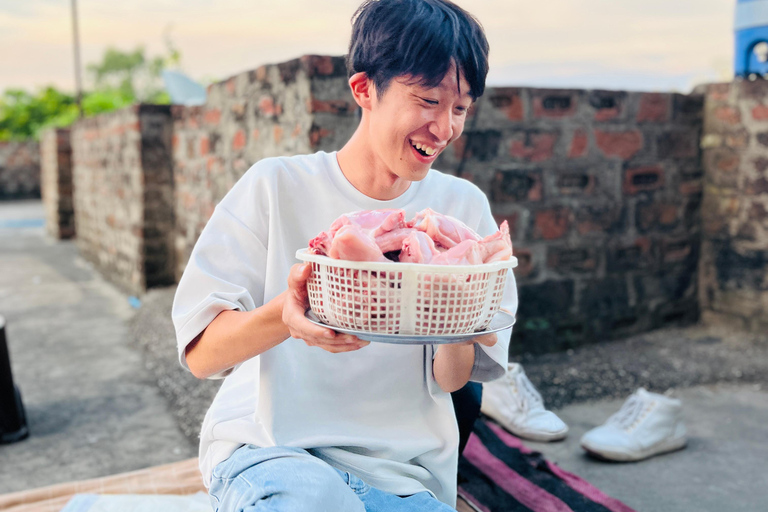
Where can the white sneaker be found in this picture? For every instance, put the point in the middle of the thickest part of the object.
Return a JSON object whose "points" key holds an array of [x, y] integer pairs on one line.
{"points": [[516, 405], [647, 424]]}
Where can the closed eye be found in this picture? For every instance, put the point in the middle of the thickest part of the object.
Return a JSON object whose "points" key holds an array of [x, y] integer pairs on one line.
{"points": [[430, 102]]}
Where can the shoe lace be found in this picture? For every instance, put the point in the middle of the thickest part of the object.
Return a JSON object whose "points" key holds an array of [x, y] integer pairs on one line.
{"points": [[629, 412], [528, 394]]}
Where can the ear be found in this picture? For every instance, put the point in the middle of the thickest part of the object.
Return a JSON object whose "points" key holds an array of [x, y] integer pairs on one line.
{"points": [[362, 89]]}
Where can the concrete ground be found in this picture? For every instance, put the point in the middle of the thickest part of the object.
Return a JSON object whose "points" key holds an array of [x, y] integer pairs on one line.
{"points": [[104, 392], [92, 408]]}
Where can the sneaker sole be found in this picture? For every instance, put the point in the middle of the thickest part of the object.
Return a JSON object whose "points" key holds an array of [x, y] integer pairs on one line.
{"points": [[670, 445], [542, 437]]}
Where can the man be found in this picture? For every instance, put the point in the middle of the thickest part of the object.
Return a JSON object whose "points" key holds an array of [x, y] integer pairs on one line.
{"points": [[307, 418]]}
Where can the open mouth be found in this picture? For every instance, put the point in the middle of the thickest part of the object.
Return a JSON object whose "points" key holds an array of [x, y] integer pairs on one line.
{"points": [[423, 149]]}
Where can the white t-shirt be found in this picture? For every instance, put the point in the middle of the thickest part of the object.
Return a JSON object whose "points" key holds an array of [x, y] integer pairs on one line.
{"points": [[376, 412]]}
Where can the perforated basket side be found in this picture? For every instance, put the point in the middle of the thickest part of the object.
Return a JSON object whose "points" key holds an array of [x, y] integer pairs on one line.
{"points": [[401, 298]]}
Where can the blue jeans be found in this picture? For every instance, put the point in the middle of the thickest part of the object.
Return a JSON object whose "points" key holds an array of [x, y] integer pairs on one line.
{"points": [[291, 480]]}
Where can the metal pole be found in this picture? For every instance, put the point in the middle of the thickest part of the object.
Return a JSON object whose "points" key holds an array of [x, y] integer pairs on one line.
{"points": [[13, 423], [76, 44]]}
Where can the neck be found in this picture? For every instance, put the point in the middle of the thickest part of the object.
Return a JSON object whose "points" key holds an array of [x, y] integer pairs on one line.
{"points": [[366, 172]]}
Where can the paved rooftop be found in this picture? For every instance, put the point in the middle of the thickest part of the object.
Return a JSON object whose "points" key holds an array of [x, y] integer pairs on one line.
{"points": [[104, 393]]}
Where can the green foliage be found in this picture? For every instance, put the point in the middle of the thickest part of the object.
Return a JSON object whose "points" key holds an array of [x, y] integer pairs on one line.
{"points": [[119, 79], [22, 114]]}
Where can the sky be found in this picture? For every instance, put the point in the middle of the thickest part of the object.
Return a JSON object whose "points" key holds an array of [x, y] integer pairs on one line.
{"points": [[651, 45]]}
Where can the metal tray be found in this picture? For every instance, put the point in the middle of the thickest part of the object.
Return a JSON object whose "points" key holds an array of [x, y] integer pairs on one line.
{"points": [[501, 321]]}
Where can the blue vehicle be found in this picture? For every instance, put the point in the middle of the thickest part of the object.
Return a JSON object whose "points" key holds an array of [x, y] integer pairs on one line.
{"points": [[751, 34]]}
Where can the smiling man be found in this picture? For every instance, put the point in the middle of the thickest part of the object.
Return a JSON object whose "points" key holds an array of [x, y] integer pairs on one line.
{"points": [[307, 418]]}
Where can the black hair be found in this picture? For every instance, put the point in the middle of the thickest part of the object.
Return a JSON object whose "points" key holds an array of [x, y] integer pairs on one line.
{"points": [[417, 38]]}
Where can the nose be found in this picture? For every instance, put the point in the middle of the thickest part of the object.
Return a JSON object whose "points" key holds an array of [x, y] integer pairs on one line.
{"points": [[445, 125]]}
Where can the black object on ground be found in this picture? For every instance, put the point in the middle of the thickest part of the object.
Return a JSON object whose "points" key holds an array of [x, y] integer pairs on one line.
{"points": [[13, 422]]}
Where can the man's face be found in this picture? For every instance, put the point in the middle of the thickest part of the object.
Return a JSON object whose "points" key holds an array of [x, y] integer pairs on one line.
{"points": [[410, 125]]}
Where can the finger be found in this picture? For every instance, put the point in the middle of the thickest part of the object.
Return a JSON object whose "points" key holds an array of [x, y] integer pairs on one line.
{"points": [[299, 274], [487, 340], [338, 349]]}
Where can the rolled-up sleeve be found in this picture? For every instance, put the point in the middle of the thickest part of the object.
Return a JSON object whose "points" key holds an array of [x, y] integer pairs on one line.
{"points": [[491, 362], [225, 272]]}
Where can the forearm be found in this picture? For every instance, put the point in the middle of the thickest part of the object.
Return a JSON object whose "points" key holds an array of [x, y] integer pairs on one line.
{"points": [[452, 366], [236, 336]]}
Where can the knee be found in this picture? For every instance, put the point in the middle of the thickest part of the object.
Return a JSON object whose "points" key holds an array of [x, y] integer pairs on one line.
{"points": [[292, 482]]}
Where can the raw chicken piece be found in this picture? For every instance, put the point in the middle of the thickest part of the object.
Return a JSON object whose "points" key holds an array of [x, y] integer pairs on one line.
{"points": [[468, 252], [321, 244], [498, 246], [352, 243], [393, 240], [418, 247], [443, 229], [375, 222], [386, 227]]}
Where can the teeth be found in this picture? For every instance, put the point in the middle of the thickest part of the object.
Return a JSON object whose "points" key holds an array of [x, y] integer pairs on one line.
{"points": [[423, 147]]}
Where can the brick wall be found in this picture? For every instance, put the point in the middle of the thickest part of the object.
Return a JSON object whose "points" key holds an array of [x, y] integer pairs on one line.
{"points": [[56, 183], [19, 170], [123, 195], [734, 261], [300, 106], [602, 191]]}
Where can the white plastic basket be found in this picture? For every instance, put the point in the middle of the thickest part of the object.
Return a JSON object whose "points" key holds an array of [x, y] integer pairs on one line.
{"points": [[405, 298]]}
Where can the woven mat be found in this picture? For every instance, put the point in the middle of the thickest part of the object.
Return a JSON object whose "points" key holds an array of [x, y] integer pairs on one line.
{"points": [[180, 478]]}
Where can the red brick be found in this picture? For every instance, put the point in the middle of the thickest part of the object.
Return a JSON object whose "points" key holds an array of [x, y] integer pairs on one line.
{"points": [[573, 183], [654, 108], [675, 250], [728, 115], [278, 134], [526, 264], [515, 186], [606, 114], [650, 216], [630, 257], [643, 178], [579, 144], [318, 65], [621, 144], [333, 106], [554, 105], [536, 147], [239, 140], [600, 219], [738, 140], [316, 134], [267, 106], [551, 224], [213, 116], [204, 145], [760, 113], [508, 101], [722, 160]]}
